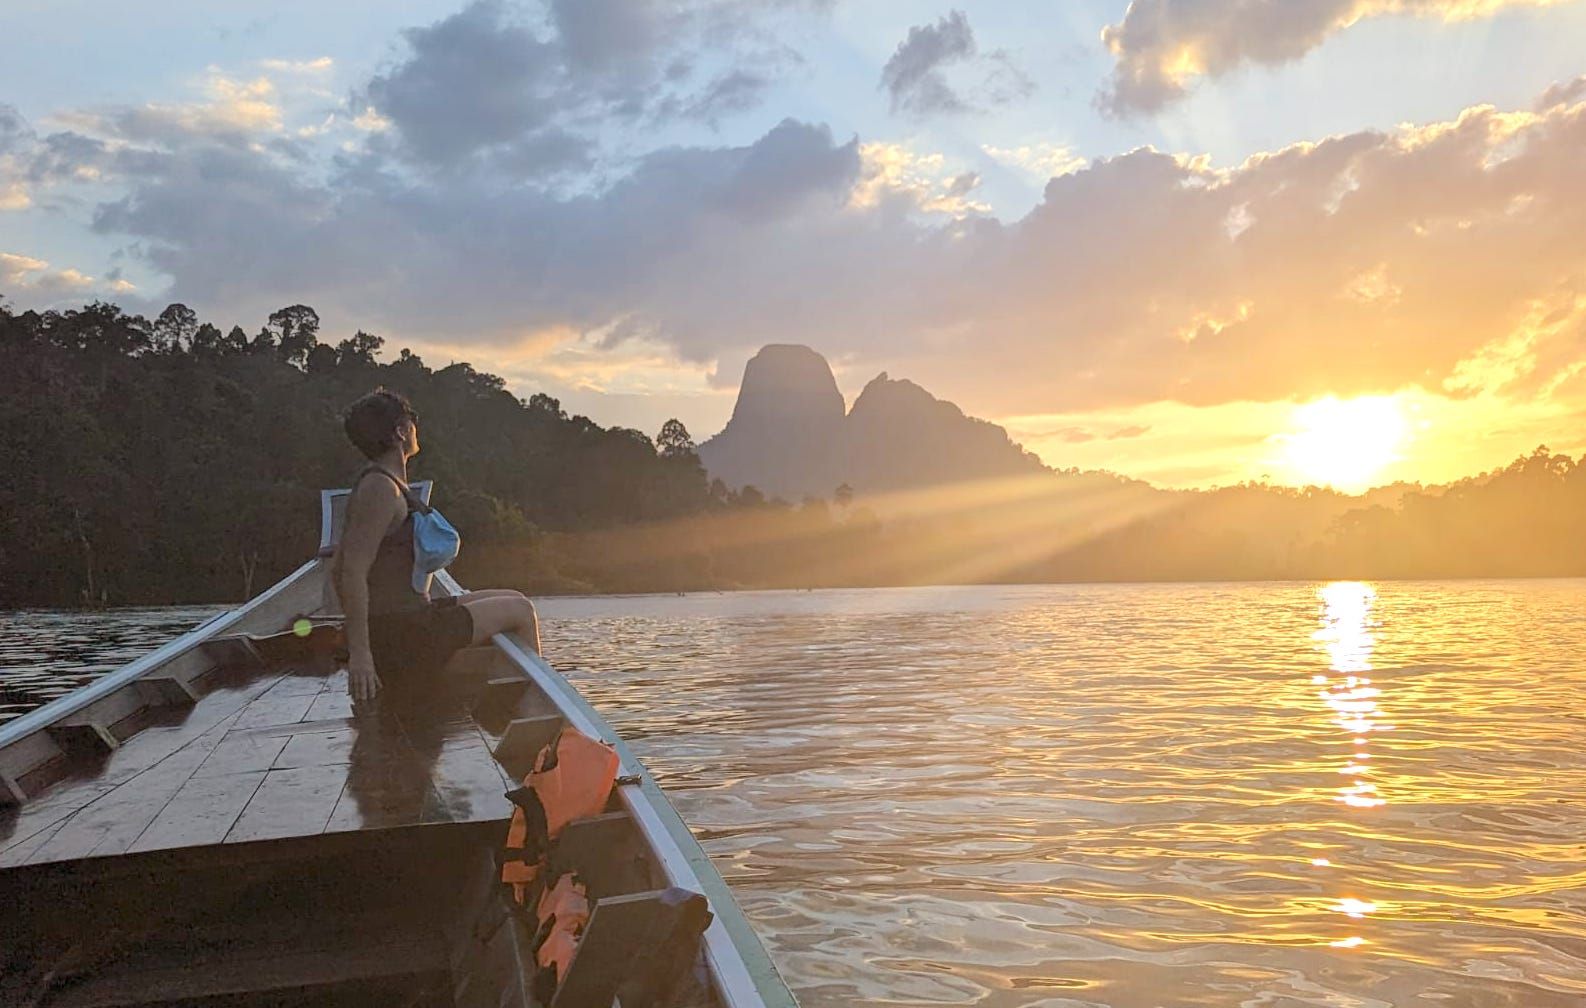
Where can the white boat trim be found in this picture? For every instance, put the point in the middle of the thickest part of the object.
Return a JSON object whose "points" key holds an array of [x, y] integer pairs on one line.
{"points": [[742, 971], [730, 942]]}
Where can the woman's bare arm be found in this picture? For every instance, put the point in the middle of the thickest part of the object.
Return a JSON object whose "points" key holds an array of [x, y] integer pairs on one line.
{"points": [[369, 513]]}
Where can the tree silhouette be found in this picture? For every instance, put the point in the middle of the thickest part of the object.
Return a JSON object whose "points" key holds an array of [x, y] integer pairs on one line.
{"points": [[294, 331], [176, 328], [165, 462], [539, 402], [360, 349], [674, 440]]}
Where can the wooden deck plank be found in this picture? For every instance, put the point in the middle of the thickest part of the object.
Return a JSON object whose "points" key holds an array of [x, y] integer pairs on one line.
{"points": [[289, 803], [383, 795], [332, 703], [286, 703], [468, 783], [19, 825], [111, 823], [304, 681], [201, 813], [388, 781], [303, 727], [19, 852], [88, 782], [242, 751], [319, 748], [291, 760], [149, 747]]}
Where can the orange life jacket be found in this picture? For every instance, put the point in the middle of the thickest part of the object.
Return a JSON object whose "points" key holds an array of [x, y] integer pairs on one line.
{"points": [[572, 779], [563, 912], [577, 782]]}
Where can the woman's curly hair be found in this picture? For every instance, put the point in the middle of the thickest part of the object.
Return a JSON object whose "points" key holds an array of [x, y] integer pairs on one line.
{"points": [[371, 422]]}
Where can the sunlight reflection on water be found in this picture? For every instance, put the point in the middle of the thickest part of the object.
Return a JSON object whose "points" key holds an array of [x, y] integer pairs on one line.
{"points": [[1343, 795]]}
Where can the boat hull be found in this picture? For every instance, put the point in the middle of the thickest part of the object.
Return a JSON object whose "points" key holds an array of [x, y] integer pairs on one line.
{"points": [[245, 805]]}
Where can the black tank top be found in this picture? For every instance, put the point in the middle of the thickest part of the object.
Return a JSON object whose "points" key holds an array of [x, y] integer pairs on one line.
{"points": [[391, 574]]}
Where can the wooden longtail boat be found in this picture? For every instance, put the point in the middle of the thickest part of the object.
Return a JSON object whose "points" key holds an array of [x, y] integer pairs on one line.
{"points": [[213, 824]]}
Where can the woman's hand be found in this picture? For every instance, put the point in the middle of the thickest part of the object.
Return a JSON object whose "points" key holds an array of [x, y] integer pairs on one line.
{"points": [[362, 683]]}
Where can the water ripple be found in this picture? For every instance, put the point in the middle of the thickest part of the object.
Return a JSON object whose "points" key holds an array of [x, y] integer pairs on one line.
{"points": [[1254, 795], [1265, 796]]}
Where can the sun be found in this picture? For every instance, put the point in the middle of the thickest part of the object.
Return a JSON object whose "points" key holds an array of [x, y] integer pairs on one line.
{"points": [[1344, 443]]}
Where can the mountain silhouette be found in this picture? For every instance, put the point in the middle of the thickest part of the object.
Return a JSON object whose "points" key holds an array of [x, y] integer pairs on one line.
{"points": [[789, 435]]}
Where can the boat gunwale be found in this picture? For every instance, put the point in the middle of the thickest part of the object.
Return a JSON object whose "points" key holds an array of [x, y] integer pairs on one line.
{"points": [[744, 973]]}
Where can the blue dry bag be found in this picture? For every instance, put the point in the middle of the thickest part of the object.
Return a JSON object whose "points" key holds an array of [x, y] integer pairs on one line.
{"points": [[435, 542]]}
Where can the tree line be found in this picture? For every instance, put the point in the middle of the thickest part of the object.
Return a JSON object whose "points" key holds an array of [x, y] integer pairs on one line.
{"points": [[168, 461]]}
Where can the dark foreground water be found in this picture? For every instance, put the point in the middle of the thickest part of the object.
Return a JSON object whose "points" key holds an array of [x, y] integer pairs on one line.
{"points": [[1262, 796]]}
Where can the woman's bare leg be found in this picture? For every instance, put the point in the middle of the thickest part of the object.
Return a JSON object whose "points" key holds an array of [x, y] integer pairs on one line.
{"points": [[475, 596], [502, 610]]}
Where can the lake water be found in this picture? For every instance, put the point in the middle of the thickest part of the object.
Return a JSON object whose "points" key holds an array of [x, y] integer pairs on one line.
{"points": [[1143, 796]]}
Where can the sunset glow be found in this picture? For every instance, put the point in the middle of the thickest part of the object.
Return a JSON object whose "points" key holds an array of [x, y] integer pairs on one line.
{"points": [[1094, 493], [1172, 257], [1344, 443]]}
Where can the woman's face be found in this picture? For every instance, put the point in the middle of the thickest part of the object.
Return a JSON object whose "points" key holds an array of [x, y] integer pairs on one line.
{"points": [[408, 430]]}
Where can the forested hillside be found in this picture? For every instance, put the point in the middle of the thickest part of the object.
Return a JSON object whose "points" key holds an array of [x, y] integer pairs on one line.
{"points": [[172, 461]]}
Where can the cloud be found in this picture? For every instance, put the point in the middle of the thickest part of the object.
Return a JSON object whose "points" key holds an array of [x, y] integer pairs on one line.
{"points": [[1043, 160], [733, 92], [604, 35], [1355, 264], [1365, 262], [319, 65], [109, 144], [894, 174], [915, 77], [488, 88], [488, 261], [1564, 93], [14, 130], [1085, 435], [234, 110], [15, 137], [25, 274], [1163, 46], [474, 82], [16, 269]]}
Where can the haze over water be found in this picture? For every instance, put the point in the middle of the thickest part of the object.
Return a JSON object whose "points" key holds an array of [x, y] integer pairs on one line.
{"points": [[1136, 795]]}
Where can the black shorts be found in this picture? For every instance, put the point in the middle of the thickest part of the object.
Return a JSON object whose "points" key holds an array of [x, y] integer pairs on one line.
{"points": [[412, 646]]}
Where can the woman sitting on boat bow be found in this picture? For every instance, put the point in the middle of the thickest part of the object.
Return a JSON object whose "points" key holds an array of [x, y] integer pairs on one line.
{"points": [[393, 628]]}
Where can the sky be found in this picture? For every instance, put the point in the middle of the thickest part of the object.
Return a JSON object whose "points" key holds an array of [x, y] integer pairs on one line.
{"points": [[1192, 241]]}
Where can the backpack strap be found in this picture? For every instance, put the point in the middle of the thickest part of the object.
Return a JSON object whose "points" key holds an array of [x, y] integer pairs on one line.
{"points": [[414, 504]]}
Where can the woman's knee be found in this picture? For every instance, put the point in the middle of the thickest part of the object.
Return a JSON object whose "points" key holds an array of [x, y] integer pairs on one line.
{"points": [[529, 629], [490, 593], [501, 613]]}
